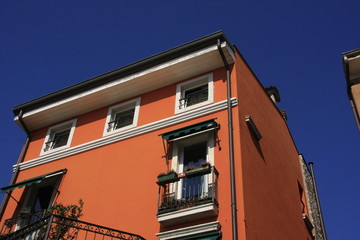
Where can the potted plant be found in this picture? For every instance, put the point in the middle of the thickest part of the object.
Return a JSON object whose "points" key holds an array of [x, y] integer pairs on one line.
{"points": [[192, 171], [169, 177]]}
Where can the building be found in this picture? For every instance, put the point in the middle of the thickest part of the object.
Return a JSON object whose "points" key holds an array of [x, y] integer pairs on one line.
{"points": [[186, 144], [351, 62]]}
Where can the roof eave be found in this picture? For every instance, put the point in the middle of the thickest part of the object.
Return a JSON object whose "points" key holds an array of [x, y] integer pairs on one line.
{"points": [[123, 71]]}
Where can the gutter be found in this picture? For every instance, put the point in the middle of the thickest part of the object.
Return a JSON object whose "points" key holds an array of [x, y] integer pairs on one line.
{"points": [[17, 170], [231, 146]]}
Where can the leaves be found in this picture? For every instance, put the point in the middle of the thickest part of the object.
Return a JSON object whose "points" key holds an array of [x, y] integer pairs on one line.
{"points": [[70, 211]]}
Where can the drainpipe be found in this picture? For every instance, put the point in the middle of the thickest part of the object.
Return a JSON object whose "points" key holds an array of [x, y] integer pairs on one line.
{"points": [[231, 146], [317, 199], [17, 170]]}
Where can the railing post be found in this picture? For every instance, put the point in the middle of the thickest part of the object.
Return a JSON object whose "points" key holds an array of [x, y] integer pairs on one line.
{"points": [[48, 228]]}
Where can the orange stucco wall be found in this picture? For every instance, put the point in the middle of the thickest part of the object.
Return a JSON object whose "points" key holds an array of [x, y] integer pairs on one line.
{"points": [[270, 167], [117, 182]]}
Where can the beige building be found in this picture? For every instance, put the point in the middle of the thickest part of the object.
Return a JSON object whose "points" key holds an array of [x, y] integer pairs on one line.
{"points": [[351, 61]]}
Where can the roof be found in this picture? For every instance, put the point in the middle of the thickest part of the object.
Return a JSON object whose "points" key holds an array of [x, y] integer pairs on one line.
{"points": [[149, 62], [168, 67]]}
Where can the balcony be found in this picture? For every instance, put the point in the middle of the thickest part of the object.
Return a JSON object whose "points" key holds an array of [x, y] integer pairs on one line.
{"points": [[193, 197], [58, 227]]}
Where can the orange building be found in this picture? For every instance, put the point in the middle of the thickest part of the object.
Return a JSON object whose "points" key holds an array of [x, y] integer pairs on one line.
{"points": [[186, 144]]}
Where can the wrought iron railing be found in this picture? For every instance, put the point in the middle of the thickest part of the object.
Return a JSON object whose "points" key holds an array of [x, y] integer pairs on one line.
{"points": [[195, 97], [189, 192], [56, 227], [24, 219], [59, 139], [122, 119]]}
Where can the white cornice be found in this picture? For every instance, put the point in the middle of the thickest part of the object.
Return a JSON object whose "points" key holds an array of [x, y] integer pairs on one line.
{"points": [[128, 134]]}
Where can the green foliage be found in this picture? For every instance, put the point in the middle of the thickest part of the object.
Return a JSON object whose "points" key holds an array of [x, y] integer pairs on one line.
{"points": [[64, 228], [70, 211]]}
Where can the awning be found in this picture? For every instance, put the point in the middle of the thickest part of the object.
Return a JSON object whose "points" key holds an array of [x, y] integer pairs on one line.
{"points": [[32, 181], [195, 128], [204, 236]]}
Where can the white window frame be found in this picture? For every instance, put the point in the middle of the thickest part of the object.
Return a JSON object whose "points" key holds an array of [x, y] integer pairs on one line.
{"points": [[135, 103], [55, 129], [193, 83], [178, 158]]}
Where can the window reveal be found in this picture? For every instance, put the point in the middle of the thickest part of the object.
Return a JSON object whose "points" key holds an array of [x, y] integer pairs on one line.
{"points": [[59, 136]]}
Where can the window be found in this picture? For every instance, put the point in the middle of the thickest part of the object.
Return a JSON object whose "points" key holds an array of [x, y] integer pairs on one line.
{"points": [[59, 137], [194, 93], [191, 153], [122, 116], [38, 198]]}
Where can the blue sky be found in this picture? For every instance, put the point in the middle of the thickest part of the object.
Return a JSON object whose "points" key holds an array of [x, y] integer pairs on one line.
{"points": [[47, 45]]}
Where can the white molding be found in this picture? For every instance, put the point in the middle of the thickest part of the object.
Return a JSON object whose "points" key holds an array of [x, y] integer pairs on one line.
{"points": [[188, 231], [199, 81], [202, 111], [197, 212], [56, 128], [135, 103]]}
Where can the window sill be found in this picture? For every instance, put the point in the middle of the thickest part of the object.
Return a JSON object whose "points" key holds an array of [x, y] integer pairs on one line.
{"points": [[189, 214]]}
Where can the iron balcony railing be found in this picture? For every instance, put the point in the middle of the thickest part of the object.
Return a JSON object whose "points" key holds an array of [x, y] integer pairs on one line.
{"points": [[56, 227], [193, 98], [24, 219], [189, 192], [58, 140], [122, 119]]}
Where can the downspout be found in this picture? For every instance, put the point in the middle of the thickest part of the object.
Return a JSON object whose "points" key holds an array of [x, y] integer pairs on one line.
{"points": [[231, 146], [317, 199], [17, 170]]}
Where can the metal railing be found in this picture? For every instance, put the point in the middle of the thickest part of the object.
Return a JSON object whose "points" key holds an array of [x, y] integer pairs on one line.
{"points": [[122, 119], [189, 192], [24, 219], [198, 96], [56, 227]]}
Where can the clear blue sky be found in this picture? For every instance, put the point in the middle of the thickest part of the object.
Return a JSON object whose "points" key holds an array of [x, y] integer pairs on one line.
{"points": [[47, 45]]}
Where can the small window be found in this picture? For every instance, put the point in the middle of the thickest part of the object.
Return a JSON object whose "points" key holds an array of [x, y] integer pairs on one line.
{"points": [[194, 93], [59, 137], [122, 116]]}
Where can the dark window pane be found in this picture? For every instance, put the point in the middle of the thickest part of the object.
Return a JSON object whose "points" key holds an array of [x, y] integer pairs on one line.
{"points": [[60, 138], [124, 118], [194, 155], [196, 95]]}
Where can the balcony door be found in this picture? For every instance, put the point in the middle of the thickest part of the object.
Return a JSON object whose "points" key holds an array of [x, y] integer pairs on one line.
{"points": [[39, 198], [190, 153], [193, 156]]}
